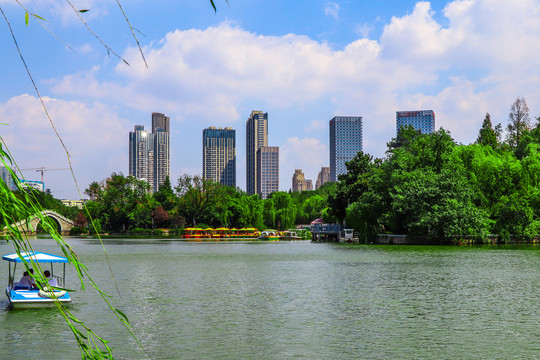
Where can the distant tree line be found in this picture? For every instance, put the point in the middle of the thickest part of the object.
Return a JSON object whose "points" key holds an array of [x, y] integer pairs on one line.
{"points": [[123, 203]]}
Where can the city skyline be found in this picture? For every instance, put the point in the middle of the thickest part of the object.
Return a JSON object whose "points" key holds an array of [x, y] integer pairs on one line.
{"points": [[308, 62]]}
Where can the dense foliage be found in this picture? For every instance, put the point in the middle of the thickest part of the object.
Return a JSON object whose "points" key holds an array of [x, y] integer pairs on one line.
{"points": [[123, 203]]}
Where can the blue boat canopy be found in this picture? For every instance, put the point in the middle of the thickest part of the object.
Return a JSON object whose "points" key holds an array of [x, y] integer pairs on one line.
{"points": [[36, 256]]}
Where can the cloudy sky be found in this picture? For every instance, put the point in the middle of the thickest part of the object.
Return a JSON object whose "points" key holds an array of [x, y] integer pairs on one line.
{"points": [[301, 61]]}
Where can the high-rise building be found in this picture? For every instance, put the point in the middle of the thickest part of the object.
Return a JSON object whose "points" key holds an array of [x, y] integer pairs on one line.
{"points": [[345, 142], [149, 152], [5, 175], [256, 137], [323, 177], [219, 155], [160, 121], [141, 154], [421, 120], [162, 165], [299, 182], [267, 170]]}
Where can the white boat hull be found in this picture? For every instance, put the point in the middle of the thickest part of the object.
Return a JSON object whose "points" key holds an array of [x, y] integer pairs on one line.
{"points": [[32, 298]]}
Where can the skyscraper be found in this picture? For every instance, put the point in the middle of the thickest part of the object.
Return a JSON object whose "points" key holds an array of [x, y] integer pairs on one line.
{"points": [[267, 170], [160, 131], [149, 152], [345, 142], [323, 177], [219, 155], [256, 137], [141, 154], [422, 120]]}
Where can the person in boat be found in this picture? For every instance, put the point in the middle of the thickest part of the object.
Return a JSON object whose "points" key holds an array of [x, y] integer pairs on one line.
{"points": [[52, 281], [27, 280]]}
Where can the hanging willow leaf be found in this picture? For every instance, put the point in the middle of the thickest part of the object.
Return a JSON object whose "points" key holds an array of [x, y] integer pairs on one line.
{"points": [[26, 18], [213, 5], [83, 11]]}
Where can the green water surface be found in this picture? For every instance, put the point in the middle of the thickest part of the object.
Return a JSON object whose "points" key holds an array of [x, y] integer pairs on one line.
{"points": [[292, 300]]}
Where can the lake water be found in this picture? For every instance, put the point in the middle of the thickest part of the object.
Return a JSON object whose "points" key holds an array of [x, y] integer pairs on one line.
{"points": [[301, 300]]}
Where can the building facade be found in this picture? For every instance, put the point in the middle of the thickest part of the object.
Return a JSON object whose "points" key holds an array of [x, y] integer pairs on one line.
{"points": [[160, 122], [5, 175], [149, 153], [299, 182], [162, 162], [267, 170], [219, 155], [141, 154], [345, 142], [323, 177], [33, 184], [256, 137], [421, 120]]}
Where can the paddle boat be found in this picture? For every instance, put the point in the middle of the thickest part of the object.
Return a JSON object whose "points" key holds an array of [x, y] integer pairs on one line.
{"points": [[289, 235], [23, 296], [269, 235]]}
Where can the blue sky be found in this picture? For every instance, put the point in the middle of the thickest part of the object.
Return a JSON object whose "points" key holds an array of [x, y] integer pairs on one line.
{"points": [[301, 61]]}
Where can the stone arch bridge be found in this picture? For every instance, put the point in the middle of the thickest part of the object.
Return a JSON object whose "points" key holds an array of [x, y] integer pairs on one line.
{"points": [[29, 226]]}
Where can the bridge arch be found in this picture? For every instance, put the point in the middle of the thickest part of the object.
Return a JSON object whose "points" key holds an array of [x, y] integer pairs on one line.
{"points": [[30, 225]]}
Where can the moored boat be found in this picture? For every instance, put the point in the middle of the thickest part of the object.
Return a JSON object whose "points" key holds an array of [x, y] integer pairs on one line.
{"points": [[25, 296], [289, 235], [269, 235]]}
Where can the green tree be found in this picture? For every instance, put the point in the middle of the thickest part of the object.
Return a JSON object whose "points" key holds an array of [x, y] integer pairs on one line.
{"points": [[197, 199], [165, 196], [269, 213], [488, 135], [351, 185], [285, 209], [518, 122], [439, 206]]}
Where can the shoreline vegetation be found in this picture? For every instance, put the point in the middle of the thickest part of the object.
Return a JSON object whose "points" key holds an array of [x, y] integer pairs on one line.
{"points": [[426, 187]]}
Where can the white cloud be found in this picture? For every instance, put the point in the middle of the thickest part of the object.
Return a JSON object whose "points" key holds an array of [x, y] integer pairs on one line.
{"points": [[95, 137], [332, 9]]}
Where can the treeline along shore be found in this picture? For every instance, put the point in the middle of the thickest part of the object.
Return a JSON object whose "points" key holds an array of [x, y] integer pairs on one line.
{"points": [[426, 187]]}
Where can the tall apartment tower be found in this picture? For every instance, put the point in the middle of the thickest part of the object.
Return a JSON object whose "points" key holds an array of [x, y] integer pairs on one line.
{"points": [[256, 137], [162, 165], [141, 154], [323, 177], [219, 155], [299, 182], [421, 120], [345, 142], [149, 152], [267, 170]]}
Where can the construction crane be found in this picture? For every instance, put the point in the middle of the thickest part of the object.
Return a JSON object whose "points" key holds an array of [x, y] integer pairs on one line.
{"points": [[42, 171]]}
